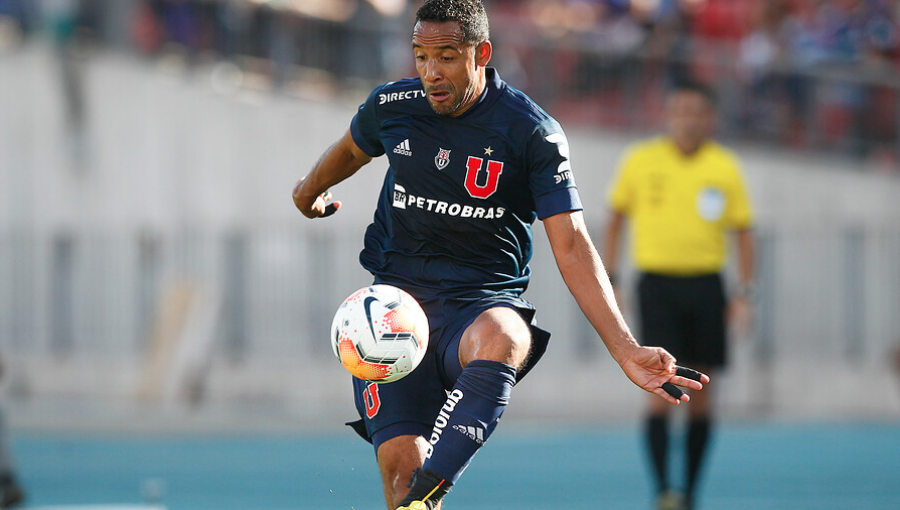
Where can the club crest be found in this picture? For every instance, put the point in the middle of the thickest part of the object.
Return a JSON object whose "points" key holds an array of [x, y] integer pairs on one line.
{"points": [[442, 159]]}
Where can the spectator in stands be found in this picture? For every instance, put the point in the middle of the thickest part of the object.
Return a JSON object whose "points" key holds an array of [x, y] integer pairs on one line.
{"points": [[17, 18], [816, 73], [860, 39], [773, 99]]}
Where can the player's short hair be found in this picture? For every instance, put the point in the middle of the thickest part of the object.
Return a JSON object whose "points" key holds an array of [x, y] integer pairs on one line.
{"points": [[470, 15], [695, 86]]}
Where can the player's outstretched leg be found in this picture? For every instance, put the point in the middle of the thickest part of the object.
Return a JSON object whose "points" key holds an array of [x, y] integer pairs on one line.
{"points": [[465, 422]]}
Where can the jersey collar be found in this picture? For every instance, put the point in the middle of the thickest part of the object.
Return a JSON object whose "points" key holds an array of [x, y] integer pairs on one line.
{"points": [[677, 150], [493, 86]]}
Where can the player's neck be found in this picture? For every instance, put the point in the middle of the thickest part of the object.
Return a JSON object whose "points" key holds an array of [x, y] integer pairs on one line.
{"points": [[688, 148]]}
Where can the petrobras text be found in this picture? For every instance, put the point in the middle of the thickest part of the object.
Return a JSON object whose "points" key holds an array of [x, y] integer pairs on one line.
{"points": [[404, 200]]}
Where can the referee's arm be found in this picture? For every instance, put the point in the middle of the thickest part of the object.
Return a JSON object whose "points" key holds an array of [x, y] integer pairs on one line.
{"points": [[740, 308], [614, 227], [746, 258]]}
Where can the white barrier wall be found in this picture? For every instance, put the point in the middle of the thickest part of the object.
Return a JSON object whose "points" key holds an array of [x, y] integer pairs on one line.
{"points": [[180, 193]]}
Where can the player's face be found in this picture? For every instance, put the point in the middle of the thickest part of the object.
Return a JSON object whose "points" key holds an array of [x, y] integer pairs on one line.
{"points": [[452, 72], [690, 119]]}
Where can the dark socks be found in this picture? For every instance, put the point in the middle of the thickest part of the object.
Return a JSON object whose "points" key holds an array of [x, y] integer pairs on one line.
{"points": [[697, 440], [427, 487], [470, 414], [658, 443]]}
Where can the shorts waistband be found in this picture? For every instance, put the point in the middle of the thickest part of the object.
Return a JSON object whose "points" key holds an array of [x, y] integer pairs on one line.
{"points": [[678, 276]]}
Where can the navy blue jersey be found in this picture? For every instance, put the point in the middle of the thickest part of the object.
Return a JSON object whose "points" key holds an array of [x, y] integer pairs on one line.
{"points": [[461, 193]]}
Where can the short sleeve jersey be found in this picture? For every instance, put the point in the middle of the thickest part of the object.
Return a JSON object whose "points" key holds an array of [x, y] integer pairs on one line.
{"points": [[459, 199], [680, 206]]}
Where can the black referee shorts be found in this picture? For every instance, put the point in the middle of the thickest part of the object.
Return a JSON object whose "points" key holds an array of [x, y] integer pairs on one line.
{"points": [[685, 316]]}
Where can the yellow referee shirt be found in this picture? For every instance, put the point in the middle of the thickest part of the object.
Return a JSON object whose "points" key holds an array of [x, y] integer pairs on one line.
{"points": [[680, 207]]}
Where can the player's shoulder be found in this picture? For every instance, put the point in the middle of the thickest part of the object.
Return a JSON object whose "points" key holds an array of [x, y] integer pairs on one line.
{"points": [[520, 107]]}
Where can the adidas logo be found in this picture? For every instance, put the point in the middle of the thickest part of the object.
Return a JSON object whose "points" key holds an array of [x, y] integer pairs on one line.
{"points": [[475, 433], [403, 148]]}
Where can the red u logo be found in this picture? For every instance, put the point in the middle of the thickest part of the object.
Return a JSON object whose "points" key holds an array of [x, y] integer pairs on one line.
{"points": [[373, 403], [494, 168]]}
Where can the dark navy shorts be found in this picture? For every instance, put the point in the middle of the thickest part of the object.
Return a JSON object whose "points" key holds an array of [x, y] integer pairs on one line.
{"points": [[685, 316], [410, 405]]}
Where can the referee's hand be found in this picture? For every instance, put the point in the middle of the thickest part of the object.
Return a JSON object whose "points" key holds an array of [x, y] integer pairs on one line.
{"points": [[654, 370]]}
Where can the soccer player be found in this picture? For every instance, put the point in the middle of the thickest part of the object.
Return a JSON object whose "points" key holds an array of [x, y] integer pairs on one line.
{"points": [[473, 162], [682, 194]]}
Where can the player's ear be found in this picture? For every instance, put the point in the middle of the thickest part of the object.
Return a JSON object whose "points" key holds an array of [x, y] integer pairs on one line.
{"points": [[483, 53]]}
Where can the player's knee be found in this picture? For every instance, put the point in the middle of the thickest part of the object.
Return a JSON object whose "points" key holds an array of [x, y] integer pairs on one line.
{"points": [[518, 348], [499, 334]]}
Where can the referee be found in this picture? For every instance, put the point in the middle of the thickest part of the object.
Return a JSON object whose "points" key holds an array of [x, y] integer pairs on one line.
{"points": [[682, 193]]}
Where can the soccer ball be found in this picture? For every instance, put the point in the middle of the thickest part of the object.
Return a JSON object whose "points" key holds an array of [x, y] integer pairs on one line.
{"points": [[379, 333]]}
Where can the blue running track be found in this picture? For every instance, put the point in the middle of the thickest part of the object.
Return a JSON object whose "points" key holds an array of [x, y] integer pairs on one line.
{"points": [[751, 467]]}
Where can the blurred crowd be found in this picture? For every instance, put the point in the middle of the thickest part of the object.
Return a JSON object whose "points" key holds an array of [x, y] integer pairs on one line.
{"points": [[807, 73], [814, 73], [273, 37], [852, 46]]}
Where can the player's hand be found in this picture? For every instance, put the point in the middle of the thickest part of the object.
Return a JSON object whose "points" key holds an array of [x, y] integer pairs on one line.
{"points": [[319, 207], [654, 370]]}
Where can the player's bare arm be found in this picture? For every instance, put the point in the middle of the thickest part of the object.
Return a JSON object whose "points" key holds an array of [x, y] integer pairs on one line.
{"points": [[578, 261], [339, 162]]}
